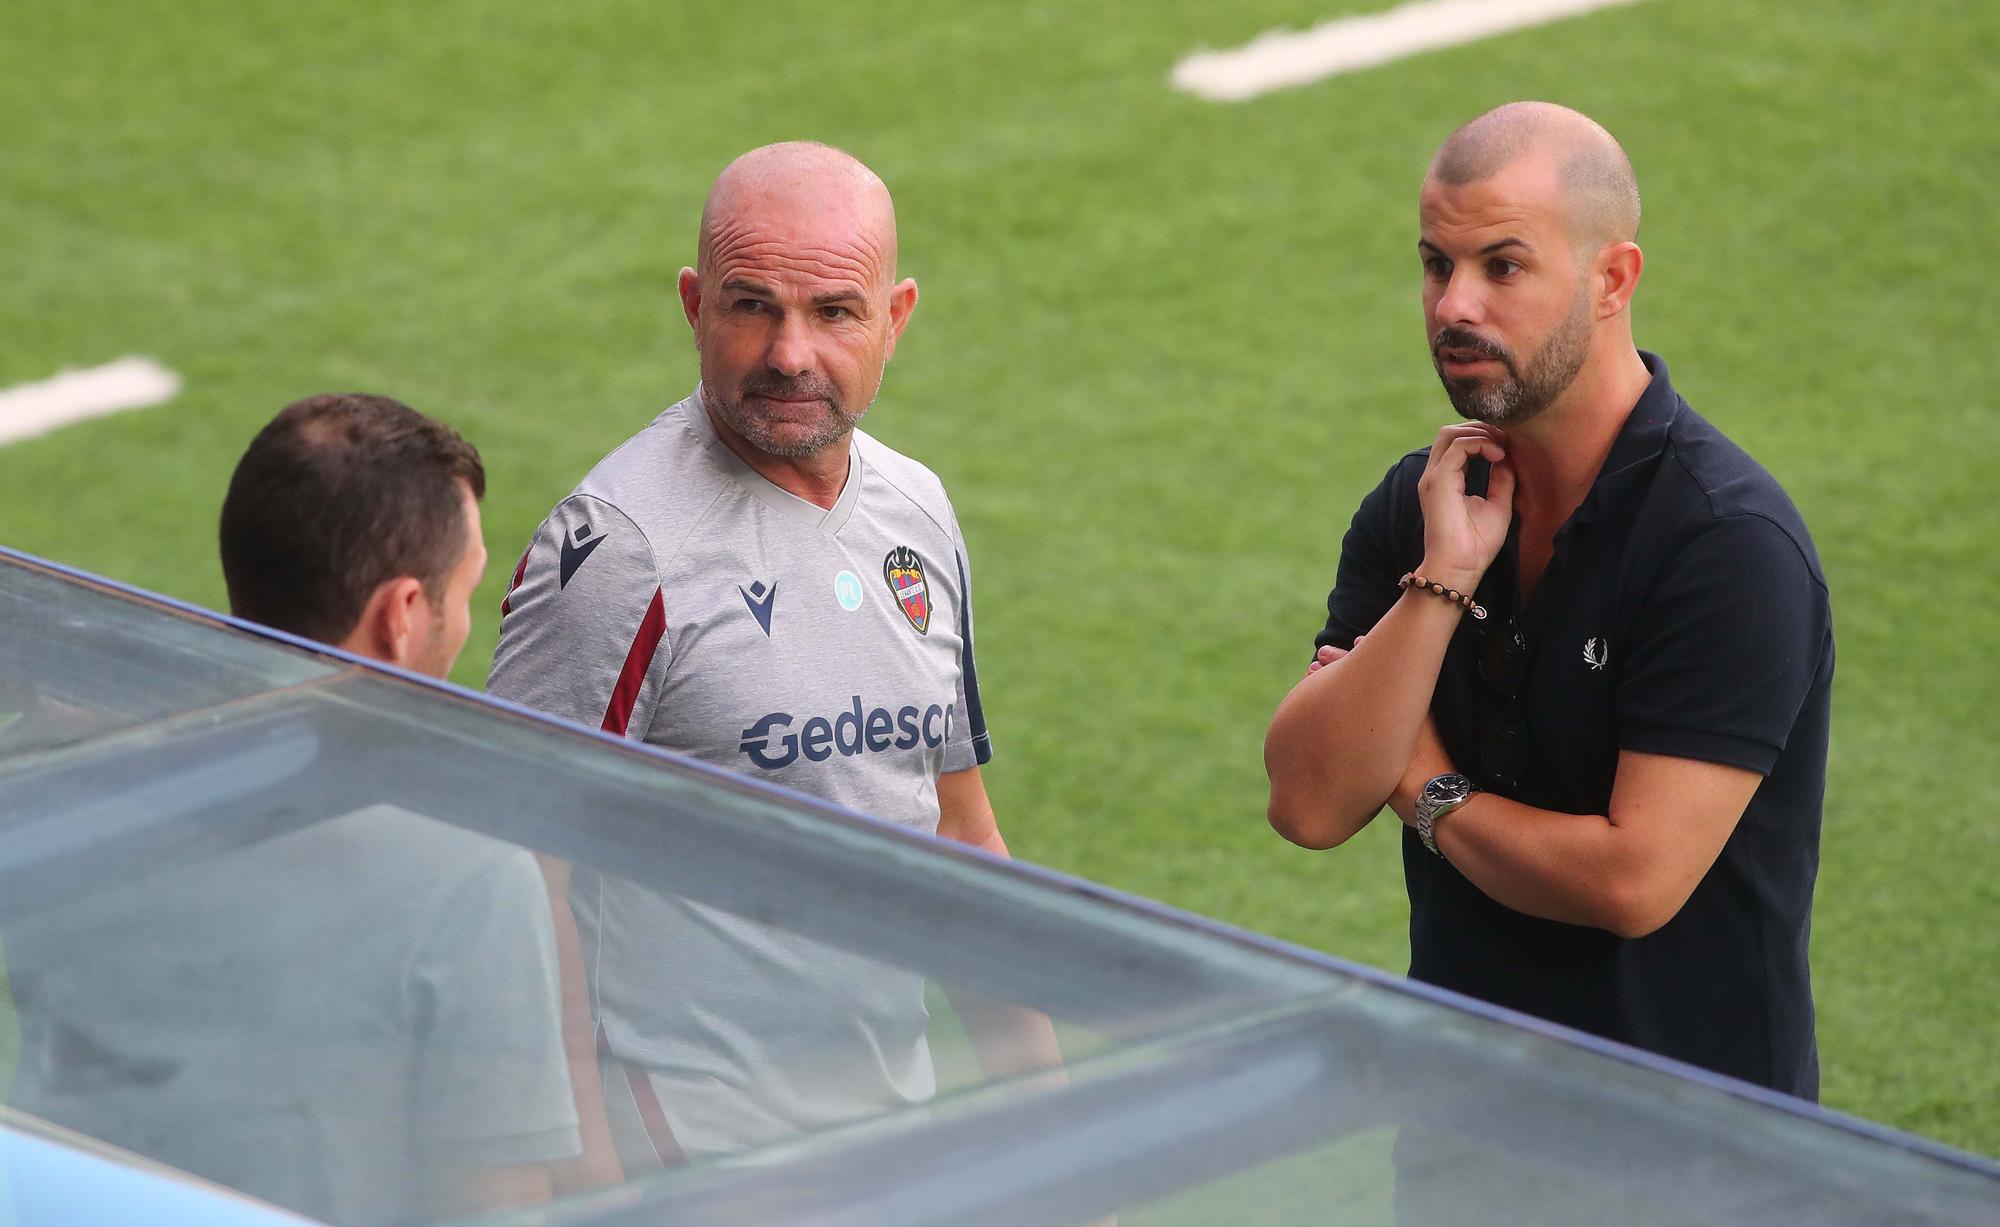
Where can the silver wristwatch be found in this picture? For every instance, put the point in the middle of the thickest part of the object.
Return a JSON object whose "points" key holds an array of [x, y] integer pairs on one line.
{"points": [[1441, 795]]}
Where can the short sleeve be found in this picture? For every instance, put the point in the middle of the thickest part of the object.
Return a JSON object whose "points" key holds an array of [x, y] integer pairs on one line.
{"points": [[970, 745], [1365, 585], [493, 1076], [583, 632], [1723, 656]]}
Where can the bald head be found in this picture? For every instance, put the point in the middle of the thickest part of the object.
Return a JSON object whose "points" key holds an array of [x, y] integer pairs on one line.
{"points": [[795, 308], [799, 185], [1598, 189]]}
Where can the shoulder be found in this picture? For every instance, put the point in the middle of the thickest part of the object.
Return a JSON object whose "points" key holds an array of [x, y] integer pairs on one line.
{"points": [[1394, 499], [908, 481], [419, 861], [662, 481], [1724, 498]]}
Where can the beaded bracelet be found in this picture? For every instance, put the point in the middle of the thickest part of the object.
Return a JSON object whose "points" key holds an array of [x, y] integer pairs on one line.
{"points": [[1414, 580]]}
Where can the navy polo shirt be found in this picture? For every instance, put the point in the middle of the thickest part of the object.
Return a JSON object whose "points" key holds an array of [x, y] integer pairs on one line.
{"points": [[1684, 613]]}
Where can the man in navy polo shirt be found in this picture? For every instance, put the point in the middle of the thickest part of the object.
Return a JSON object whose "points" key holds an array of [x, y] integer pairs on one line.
{"points": [[1598, 655]]}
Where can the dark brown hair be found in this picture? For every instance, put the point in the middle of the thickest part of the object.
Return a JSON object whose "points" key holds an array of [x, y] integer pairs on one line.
{"points": [[336, 496]]}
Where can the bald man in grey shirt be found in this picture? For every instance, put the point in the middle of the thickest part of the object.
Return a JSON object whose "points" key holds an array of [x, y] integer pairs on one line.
{"points": [[754, 581]]}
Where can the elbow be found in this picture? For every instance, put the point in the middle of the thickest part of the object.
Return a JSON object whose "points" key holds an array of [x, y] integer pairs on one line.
{"points": [[1308, 826], [1634, 926], [1640, 909], [1300, 809]]}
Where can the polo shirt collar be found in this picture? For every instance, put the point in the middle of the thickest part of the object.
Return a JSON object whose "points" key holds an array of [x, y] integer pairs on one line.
{"points": [[1640, 441]]}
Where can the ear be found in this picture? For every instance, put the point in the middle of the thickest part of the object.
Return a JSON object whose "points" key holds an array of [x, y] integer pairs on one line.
{"points": [[902, 302], [690, 288], [1618, 269], [388, 627]]}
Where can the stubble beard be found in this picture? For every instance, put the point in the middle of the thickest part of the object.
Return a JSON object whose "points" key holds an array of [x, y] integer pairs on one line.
{"points": [[1521, 394], [787, 440]]}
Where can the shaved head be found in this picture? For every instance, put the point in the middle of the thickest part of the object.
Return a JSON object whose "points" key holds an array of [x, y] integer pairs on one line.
{"points": [[795, 304], [799, 181], [1599, 191]]}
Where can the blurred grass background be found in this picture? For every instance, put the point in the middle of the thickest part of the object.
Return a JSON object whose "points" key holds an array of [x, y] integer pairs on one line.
{"points": [[1164, 347]]}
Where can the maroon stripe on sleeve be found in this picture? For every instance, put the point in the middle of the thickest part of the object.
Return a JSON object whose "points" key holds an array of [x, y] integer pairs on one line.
{"points": [[626, 694], [654, 1118], [507, 602]]}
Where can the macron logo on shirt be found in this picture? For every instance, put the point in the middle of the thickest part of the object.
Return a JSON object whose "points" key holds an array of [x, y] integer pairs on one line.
{"points": [[760, 600], [575, 548]]}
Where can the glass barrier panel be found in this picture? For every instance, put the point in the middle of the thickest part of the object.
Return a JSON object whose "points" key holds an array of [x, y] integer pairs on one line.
{"points": [[382, 953], [78, 661]]}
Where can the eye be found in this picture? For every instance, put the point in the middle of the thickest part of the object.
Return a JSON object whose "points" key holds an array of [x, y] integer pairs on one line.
{"points": [[1437, 267], [748, 306], [1502, 268], [831, 312]]}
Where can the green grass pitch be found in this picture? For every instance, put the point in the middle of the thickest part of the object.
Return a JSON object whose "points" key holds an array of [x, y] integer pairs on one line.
{"points": [[1163, 348]]}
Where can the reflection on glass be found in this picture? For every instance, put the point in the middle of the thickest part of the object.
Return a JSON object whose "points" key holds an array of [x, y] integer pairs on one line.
{"points": [[356, 1020], [75, 663], [238, 949], [722, 1033]]}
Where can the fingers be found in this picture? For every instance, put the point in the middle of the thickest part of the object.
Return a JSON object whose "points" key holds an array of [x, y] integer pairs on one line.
{"points": [[1447, 464], [1449, 435], [1328, 654]]}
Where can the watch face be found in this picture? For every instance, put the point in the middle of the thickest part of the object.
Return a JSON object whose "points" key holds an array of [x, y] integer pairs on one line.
{"points": [[1448, 788]]}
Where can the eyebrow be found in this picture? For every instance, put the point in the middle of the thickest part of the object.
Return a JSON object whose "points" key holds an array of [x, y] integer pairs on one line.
{"points": [[831, 298], [1489, 249]]}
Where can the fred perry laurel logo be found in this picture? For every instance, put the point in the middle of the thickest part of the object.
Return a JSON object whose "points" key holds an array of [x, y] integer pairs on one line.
{"points": [[847, 590], [1596, 654], [905, 573]]}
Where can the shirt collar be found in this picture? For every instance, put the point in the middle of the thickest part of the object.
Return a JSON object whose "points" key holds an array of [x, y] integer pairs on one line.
{"points": [[1640, 441], [784, 502]]}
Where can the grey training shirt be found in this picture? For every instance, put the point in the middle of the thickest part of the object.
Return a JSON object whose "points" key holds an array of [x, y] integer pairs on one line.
{"points": [[680, 598]]}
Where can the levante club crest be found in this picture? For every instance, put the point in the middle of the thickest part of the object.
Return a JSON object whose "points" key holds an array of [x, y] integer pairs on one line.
{"points": [[905, 573]]}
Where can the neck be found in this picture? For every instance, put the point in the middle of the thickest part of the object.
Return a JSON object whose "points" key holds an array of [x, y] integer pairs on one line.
{"points": [[818, 478], [1558, 454]]}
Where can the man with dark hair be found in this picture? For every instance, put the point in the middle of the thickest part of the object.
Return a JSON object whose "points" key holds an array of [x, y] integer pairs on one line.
{"points": [[354, 520], [415, 961], [1598, 656]]}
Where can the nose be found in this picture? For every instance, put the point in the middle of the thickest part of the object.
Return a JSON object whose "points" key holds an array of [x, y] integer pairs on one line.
{"points": [[790, 353], [1460, 302]]}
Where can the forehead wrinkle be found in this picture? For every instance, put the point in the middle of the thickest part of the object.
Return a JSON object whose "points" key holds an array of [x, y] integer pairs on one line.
{"points": [[762, 258], [801, 191]]}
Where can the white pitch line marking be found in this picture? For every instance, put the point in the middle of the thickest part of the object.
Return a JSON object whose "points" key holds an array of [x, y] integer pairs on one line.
{"points": [[1281, 59], [32, 409]]}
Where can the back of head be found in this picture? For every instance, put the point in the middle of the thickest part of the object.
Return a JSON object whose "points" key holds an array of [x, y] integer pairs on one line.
{"points": [[337, 495]]}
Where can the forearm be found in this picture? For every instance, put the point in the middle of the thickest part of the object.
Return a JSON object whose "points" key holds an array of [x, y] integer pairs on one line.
{"points": [[1565, 867], [965, 813], [1340, 741], [598, 1164], [1007, 1039], [1627, 871]]}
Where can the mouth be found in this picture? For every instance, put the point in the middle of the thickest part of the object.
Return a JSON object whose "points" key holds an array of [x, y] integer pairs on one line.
{"points": [[1465, 360], [789, 401]]}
